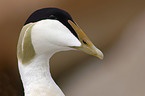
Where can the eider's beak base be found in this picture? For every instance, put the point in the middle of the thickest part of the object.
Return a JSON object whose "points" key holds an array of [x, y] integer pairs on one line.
{"points": [[86, 45]]}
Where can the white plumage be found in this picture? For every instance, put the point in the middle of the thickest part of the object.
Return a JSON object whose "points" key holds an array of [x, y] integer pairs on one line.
{"points": [[38, 41]]}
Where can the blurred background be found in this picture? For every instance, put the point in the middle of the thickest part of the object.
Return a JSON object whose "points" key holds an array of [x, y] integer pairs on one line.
{"points": [[117, 27]]}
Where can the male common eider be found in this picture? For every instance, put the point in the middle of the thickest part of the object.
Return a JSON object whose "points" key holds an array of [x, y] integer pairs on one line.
{"points": [[47, 31]]}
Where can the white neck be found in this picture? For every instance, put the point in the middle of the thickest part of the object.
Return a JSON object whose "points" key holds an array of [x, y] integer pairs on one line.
{"points": [[36, 77]]}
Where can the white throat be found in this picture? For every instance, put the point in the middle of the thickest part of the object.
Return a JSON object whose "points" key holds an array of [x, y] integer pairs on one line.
{"points": [[44, 38], [36, 78]]}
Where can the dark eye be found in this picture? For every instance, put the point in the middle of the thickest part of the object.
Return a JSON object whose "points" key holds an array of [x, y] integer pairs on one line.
{"points": [[52, 17], [84, 42]]}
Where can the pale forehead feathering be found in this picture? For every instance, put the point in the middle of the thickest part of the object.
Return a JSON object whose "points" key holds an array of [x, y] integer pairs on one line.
{"points": [[47, 31], [52, 33]]}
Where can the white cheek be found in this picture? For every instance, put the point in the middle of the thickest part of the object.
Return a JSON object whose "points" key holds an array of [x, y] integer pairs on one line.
{"points": [[51, 34]]}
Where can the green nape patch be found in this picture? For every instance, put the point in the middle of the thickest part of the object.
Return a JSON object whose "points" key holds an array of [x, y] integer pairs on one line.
{"points": [[25, 49]]}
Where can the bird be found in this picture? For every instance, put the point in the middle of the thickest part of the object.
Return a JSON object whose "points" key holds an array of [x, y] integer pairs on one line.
{"points": [[46, 32]]}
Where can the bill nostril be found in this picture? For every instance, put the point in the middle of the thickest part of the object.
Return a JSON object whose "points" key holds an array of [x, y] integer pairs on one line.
{"points": [[84, 42]]}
